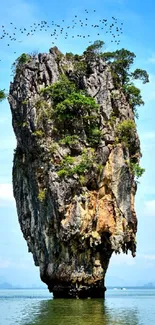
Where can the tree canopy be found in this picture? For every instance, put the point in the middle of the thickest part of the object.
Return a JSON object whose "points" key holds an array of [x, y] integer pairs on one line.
{"points": [[121, 61], [93, 51]]}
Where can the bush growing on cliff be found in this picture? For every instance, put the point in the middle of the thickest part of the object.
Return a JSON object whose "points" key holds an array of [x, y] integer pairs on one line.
{"points": [[39, 133], [93, 51], [80, 68], [60, 90], [69, 140], [79, 112], [125, 132], [19, 62], [74, 111], [121, 61], [69, 56], [74, 106], [42, 194], [93, 135], [140, 74], [136, 169], [69, 166], [67, 161], [2, 95], [133, 95]]}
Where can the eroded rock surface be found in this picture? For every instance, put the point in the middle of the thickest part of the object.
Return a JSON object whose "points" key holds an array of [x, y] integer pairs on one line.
{"points": [[72, 228]]}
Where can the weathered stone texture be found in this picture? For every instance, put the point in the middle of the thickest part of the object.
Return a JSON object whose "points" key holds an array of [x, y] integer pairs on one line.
{"points": [[73, 232]]}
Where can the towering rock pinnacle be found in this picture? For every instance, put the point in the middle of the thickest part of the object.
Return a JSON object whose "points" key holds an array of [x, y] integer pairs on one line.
{"points": [[73, 183]]}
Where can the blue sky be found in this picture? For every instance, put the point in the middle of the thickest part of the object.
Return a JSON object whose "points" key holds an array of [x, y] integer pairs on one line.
{"points": [[138, 17]]}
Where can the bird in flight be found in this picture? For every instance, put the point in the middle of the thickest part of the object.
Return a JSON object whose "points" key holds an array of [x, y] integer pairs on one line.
{"points": [[79, 27]]}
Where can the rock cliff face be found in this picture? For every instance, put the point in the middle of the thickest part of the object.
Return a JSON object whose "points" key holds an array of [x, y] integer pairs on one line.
{"points": [[72, 222]]}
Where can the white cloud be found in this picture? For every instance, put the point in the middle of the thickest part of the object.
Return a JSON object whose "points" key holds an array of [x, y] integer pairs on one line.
{"points": [[149, 207], [6, 194], [149, 257]]}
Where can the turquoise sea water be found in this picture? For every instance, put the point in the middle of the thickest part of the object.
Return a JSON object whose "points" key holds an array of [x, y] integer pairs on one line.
{"points": [[27, 307]]}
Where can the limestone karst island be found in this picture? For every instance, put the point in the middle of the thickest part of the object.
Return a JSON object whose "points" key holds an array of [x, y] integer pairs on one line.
{"points": [[77, 163]]}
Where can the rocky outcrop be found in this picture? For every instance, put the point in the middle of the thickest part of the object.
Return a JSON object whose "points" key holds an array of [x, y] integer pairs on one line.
{"points": [[72, 223]]}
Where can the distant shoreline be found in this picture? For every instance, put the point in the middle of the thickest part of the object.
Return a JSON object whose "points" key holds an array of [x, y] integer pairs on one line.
{"points": [[108, 288]]}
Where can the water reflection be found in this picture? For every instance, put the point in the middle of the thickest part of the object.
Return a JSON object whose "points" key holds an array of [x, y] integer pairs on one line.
{"points": [[81, 312]]}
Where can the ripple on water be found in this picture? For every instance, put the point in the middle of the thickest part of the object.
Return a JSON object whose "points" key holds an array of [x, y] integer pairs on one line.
{"points": [[28, 307]]}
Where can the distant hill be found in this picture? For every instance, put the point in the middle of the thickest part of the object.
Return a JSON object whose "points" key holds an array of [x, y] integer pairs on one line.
{"points": [[6, 285], [149, 285]]}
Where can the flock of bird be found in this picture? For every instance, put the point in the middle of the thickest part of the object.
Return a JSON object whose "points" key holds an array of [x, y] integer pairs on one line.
{"points": [[86, 27]]}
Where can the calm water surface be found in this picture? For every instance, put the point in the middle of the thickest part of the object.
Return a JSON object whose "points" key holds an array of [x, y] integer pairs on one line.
{"points": [[28, 307]]}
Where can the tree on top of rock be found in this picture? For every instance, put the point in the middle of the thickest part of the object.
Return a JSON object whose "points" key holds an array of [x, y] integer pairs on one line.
{"points": [[93, 51]]}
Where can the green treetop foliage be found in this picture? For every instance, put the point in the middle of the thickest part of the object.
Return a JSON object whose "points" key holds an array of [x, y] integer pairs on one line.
{"points": [[121, 61], [140, 74], [18, 64], [74, 110], [60, 90], [137, 170], [78, 111], [133, 96], [125, 133], [93, 50], [95, 47], [76, 103], [2, 95]]}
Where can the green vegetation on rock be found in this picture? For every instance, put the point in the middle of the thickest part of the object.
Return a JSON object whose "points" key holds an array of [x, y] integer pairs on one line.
{"points": [[69, 140], [69, 165], [60, 90], [74, 116], [125, 132], [93, 51], [133, 96], [2, 95], [19, 62], [120, 62], [136, 169], [39, 133], [69, 56], [42, 194], [73, 111]]}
